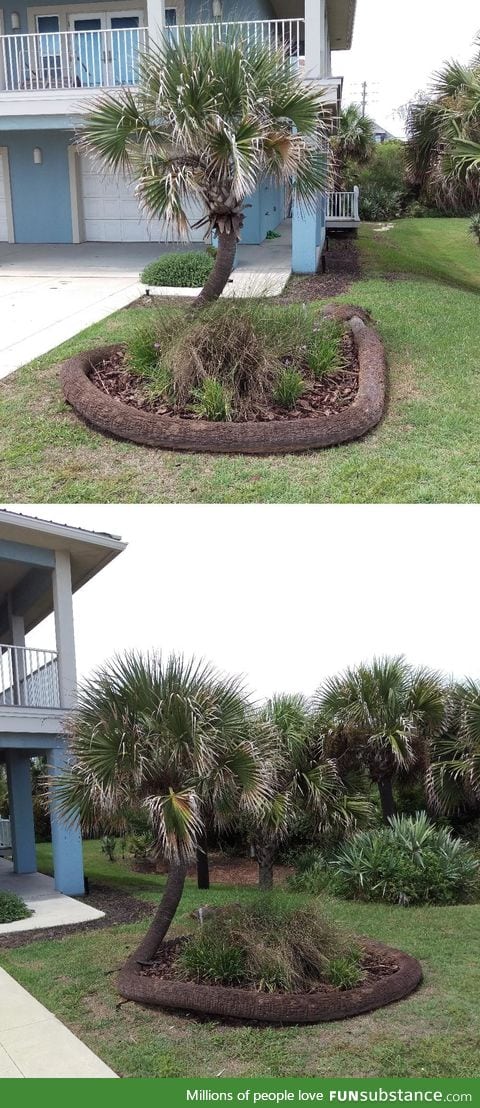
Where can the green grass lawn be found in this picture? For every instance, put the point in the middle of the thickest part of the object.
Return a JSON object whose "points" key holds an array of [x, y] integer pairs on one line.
{"points": [[441, 249], [425, 451], [434, 1033]]}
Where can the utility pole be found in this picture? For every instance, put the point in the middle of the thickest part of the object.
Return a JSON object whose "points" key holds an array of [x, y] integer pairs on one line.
{"points": [[364, 99]]}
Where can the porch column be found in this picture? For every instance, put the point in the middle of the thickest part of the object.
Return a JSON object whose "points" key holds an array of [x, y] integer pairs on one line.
{"points": [[308, 236], [155, 19], [66, 839], [314, 38], [64, 633], [21, 812]]}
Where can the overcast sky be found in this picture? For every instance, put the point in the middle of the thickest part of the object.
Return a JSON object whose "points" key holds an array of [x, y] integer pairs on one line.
{"points": [[396, 47], [284, 595]]}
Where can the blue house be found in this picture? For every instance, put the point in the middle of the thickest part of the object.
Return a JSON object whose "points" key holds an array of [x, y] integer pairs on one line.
{"points": [[41, 566], [53, 57]]}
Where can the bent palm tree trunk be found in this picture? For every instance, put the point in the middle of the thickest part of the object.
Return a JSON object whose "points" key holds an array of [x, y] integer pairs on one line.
{"points": [[216, 281], [203, 871], [265, 855], [162, 919]]}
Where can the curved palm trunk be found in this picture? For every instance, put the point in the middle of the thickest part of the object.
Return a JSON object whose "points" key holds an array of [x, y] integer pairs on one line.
{"points": [[387, 801], [215, 283], [163, 917]]}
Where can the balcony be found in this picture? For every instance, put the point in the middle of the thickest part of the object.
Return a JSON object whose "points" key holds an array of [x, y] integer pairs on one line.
{"points": [[28, 678], [107, 58]]}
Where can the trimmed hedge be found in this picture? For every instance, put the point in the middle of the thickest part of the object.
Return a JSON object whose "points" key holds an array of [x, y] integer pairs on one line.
{"points": [[180, 270]]}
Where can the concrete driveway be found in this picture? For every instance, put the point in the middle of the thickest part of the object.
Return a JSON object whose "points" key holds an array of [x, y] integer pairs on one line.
{"points": [[50, 293]]}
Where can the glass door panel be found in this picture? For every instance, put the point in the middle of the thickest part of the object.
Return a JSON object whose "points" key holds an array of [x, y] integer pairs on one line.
{"points": [[124, 49], [89, 50]]}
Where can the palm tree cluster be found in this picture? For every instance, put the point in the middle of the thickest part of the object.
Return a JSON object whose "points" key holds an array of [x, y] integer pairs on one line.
{"points": [[209, 121], [353, 139], [444, 138], [184, 744]]}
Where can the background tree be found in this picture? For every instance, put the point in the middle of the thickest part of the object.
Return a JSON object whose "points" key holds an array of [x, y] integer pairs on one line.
{"points": [[453, 776], [382, 715], [444, 138], [164, 737], [353, 141], [304, 782], [209, 122]]}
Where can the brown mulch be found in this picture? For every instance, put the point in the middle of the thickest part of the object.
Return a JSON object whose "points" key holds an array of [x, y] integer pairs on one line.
{"points": [[328, 395], [342, 269], [119, 907], [374, 965]]}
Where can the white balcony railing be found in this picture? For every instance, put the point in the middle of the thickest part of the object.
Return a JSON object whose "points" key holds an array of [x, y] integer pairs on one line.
{"points": [[343, 207], [28, 678], [108, 58], [70, 59], [281, 34]]}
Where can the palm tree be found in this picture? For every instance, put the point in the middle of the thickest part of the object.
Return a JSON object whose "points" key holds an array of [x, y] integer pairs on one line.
{"points": [[444, 138], [354, 139], [304, 782], [453, 776], [381, 715], [164, 737], [209, 122]]}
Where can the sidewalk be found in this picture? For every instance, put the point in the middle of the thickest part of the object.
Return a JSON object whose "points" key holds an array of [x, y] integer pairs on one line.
{"points": [[33, 1043]]}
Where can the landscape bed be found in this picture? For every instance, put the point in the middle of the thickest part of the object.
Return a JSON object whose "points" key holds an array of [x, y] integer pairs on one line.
{"points": [[334, 409]]}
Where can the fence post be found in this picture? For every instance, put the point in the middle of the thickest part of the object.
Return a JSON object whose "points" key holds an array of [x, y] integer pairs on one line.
{"points": [[356, 200]]}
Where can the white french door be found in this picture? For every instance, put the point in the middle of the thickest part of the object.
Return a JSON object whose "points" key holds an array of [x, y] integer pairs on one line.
{"points": [[106, 47]]}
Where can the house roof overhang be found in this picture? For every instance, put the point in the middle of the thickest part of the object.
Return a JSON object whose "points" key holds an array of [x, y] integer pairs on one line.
{"points": [[31, 583], [341, 19]]}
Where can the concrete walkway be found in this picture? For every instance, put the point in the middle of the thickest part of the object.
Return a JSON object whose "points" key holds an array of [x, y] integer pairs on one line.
{"points": [[50, 908], [33, 1043], [48, 294]]}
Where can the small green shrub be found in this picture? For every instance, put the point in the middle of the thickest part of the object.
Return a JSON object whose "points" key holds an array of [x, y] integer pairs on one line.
{"points": [[142, 354], [211, 400], [289, 388], [313, 879], [272, 944], [108, 846], [179, 270], [474, 227], [412, 861], [12, 908], [324, 351], [345, 972]]}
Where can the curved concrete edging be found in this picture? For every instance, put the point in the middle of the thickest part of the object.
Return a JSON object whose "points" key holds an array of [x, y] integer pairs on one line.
{"points": [[123, 421], [234, 1003]]}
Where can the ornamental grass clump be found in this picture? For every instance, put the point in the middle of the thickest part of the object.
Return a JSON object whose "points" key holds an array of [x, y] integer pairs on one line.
{"points": [[273, 945], [234, 360]]}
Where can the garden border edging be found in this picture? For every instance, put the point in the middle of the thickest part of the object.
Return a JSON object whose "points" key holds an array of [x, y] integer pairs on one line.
{"points": [[235, 1003], [123, 421]]}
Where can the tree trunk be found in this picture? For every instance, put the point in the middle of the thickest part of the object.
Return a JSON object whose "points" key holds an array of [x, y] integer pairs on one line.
{"points": [[163, 917], [265, 855], [386, 798], [203, 873], [215, 283]]}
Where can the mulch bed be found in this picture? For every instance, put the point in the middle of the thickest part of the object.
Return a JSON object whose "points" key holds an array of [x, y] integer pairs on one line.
{"points": [[374, 966], [119, 907], [330, 394]]}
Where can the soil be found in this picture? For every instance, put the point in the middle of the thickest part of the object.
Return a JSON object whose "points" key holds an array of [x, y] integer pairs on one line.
{"points": [[234, 871], [327, 396], [374, 966], [119, 907]]}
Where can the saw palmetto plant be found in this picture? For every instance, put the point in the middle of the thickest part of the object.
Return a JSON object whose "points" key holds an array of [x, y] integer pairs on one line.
{"points": [[165, 737], [209, 121], [453, 776]]}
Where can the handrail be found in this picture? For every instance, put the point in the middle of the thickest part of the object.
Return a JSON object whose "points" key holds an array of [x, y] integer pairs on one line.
{"points": [[28, 677], [344, 205]]}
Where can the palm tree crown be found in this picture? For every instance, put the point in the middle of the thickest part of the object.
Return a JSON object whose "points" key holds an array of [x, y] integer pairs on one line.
{"points": [[209, 121], [453, 778], [383, 712]]}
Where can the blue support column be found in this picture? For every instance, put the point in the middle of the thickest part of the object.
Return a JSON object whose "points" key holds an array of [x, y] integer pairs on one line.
{"points": [[66, 841], [308, 236], [21, 812]]}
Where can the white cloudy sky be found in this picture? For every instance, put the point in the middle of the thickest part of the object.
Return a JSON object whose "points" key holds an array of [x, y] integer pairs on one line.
{"points": [[284, 595], [397, 46]]}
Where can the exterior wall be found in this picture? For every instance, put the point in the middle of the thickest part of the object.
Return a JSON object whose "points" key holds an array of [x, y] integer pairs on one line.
{"points": [[40, 193], [200, 11], [27, 11], [264, 213]]}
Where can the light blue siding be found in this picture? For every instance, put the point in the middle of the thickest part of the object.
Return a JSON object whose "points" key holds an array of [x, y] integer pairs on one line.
{"points": [[21, 812], [40, 193], [200, 11], [263, 214]]}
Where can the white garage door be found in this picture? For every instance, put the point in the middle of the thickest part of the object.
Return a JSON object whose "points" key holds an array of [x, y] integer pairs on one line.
{"points": [[111, 212], [3, 200]]}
